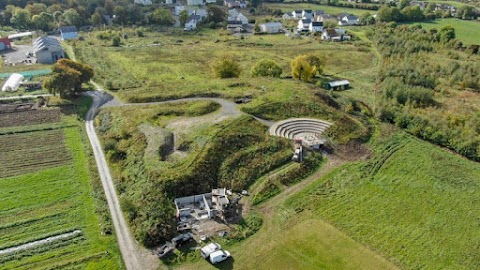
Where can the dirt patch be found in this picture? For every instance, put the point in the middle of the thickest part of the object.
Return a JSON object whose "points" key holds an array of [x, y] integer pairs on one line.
{"points": [[353, 150], [25, 118]]}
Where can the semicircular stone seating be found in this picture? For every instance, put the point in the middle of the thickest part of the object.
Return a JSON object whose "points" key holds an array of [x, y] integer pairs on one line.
{"points": [[306, 128]]}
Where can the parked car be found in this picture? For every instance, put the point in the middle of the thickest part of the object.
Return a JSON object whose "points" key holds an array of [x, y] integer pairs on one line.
{"points": [[182, 238], [219, 256], [164, 250], [209, 249]]}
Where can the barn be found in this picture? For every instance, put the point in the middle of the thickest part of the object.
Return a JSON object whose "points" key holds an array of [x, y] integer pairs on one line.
{"points": [[47, 50]]}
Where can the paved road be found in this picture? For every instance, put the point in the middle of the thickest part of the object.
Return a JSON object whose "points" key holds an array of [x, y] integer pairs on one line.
{"points": [[25, 96], [126, 242]]}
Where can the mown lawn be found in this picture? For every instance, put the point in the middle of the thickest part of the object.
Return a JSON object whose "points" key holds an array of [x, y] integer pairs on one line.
{"points": [[51, 201], [414, 203]]}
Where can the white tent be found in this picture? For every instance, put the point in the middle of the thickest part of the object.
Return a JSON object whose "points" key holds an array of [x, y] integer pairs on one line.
{"points": [[13, 82]]}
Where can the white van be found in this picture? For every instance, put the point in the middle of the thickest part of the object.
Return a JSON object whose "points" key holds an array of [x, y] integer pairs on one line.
{"points": [[219, 256], [209, 249]]}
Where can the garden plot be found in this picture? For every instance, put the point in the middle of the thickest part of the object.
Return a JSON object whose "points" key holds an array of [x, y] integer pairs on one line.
{"points": [[32, 151], [25, 118]]}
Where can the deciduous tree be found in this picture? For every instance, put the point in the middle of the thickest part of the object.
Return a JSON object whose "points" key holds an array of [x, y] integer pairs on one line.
{"points": [[67, 77], [302, 69]]}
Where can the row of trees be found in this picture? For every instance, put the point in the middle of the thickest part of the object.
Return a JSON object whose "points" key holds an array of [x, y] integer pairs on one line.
{"points": [[404, 12], [304, 67], [47, 15]]}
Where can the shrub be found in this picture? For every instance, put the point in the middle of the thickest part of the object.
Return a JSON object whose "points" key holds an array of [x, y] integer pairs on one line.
{"points": [[266, 68], [225, 67]]}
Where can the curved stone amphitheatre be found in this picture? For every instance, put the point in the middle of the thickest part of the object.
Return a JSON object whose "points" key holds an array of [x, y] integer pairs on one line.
{"points": [[294, 128]]}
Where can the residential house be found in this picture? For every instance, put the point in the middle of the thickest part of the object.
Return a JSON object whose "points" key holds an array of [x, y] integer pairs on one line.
{"points": [[195, 2], [318, 12], [297, 14], [143, 2], [337, 34], [178, 9], [243, 4], [68, 32], [287, 16], [349, 19], [315, 27], [47, 50], [5, 44], [307, 14], [201, 12], [324, 17], [192, 21], [234, 15], [271, 27], [303, 25], [235, 26]]}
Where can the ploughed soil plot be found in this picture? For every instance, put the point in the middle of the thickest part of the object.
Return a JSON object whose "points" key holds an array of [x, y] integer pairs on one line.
{"points": [[32, 117], [29, 152]]}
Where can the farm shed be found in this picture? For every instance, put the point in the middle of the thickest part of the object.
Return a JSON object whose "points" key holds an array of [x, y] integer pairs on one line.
{"points": [[13, 82], [68, 32], [47, 50], [338, 85], [5, 43]]}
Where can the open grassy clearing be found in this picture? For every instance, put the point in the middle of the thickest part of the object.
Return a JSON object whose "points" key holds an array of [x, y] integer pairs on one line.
{"points": [[413, 202], [179, 69], [467, 31], [42, 200]]}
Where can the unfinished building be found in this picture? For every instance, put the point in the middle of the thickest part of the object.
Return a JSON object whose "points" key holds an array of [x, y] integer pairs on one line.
{"points": [[202, 207]]}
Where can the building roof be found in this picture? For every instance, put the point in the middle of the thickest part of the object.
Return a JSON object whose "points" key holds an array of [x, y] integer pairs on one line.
{"points": [[20, 35], [339, 83], [352, 17], [46, 43], [306, 21], [196, 18], [319, 12], [272, 24], [68, 29], [308, 11], [317, 23], [234, 22]]}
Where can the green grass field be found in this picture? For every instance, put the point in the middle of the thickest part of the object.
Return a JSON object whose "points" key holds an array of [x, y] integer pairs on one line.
{"points": [[180, 65], [44, 200], [467, 31], [413, 202]]}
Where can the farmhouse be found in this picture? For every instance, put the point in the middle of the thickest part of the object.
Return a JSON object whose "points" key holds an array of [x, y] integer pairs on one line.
{"points": [[68, 32], [13, 82], [202, 206], [5, 44], [338, 85], [47, 50], [271, 27]]}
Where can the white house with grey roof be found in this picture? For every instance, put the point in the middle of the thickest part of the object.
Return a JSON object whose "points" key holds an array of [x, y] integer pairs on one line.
{"points": [[349, 19], [47, 50], [271, 27], [303, 25]]}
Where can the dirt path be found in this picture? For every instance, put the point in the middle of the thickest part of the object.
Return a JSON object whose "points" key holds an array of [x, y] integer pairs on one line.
{"points": [[268, 208], [38, 243], [134, 256]]}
